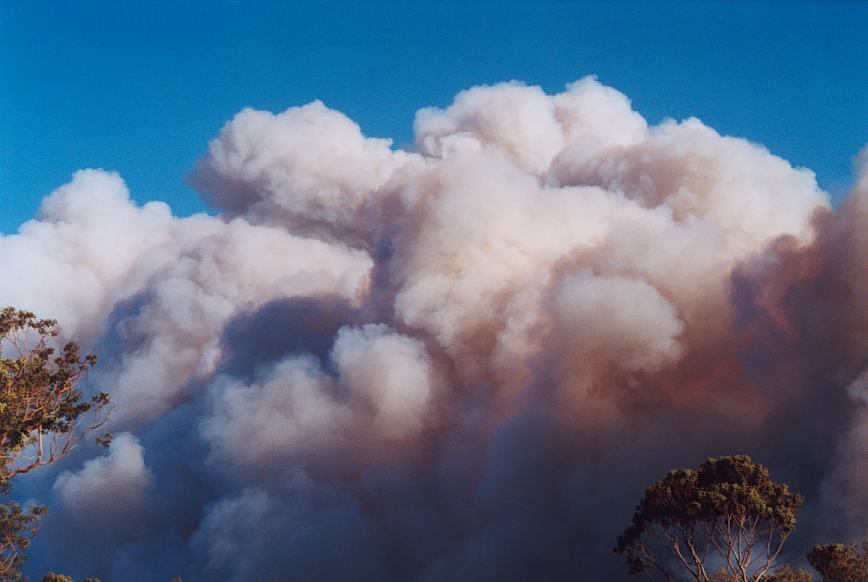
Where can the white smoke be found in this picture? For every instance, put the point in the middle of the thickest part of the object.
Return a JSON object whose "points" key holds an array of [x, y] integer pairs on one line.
{"points": [[451, 360], [115, 482], [386, 372]]}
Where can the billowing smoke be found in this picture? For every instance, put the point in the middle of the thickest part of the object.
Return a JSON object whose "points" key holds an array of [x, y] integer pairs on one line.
{"points": [[460, 362]]}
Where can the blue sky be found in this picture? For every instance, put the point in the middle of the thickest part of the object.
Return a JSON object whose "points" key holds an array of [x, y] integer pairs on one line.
{"points": [[140, 87]]}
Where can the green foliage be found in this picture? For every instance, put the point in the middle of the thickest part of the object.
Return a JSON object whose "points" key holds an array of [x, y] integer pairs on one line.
{"points": [[788, 574], [841, 562], [730, 507], [43, 415]]}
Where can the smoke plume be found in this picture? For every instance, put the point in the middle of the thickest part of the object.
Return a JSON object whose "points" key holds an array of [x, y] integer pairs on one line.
{"points": [[460, 361]]}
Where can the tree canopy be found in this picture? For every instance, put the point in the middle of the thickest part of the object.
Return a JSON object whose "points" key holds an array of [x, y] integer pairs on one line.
{"points": [[727, 511], [841, 562]]}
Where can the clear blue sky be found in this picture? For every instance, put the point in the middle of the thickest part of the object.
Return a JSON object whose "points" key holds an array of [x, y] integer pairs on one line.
{"points": [[139, 87]]}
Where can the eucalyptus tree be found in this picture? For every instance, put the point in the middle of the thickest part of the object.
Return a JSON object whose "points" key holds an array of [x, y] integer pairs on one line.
{"points": [[725, 520]]}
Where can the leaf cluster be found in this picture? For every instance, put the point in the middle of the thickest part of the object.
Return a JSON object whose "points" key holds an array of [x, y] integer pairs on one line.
{"points": [[17, 528]]}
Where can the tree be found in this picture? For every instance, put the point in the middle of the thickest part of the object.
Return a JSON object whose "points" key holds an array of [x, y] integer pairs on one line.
{"points": [[729, 512], [43, 415], [841, 562]]}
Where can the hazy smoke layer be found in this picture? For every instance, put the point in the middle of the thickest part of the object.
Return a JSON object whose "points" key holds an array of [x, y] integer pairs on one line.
{"points": [[462, 362]]}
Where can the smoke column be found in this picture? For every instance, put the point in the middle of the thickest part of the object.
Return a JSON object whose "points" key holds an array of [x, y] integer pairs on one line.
{"points": [[460, 361]]}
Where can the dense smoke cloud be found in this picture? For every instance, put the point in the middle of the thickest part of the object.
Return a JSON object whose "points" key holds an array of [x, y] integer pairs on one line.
{"points": [[462, 362], [116, 481]]}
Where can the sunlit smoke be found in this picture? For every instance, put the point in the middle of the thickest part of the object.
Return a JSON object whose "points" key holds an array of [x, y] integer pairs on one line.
{"points": [[461, 362]]}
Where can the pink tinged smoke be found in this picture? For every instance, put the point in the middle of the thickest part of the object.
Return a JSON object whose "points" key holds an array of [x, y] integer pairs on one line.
{"points": [[462, 362]]}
